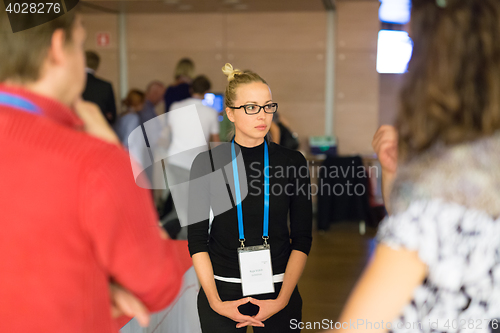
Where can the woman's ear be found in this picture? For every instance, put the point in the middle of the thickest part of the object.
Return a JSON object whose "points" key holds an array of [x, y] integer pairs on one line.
{"points": [[230, 114]]}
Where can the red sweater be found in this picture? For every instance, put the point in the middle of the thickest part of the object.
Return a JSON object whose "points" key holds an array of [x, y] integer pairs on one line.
{"points": [[71, 219]]}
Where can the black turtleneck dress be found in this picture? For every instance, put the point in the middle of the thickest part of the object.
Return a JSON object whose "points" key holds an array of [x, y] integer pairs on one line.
{"points": [[289, 195], [290, 223]]}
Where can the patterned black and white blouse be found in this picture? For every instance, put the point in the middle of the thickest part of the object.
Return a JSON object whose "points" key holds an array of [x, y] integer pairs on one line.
{"points": [[446, 206]]}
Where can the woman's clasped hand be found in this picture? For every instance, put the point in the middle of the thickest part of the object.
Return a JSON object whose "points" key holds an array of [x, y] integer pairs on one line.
{"points": [[267, 308]]}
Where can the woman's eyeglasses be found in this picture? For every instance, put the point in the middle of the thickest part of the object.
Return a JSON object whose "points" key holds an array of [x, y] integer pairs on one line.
{"points": [[254, 108]]}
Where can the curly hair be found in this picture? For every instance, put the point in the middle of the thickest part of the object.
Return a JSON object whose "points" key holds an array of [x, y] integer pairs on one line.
{"points": [[452, 89]]}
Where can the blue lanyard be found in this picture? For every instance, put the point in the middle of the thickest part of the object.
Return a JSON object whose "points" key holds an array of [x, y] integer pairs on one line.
{"points": [[18, 103], [265, 235]]}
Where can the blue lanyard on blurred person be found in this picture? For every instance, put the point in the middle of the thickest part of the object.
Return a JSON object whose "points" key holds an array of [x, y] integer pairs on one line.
{"points": [[18, 103], [265, 235]]}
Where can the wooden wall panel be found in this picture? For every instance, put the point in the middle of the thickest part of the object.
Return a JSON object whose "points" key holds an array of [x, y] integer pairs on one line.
{"points": [[174, 32], [109, 67], [357, 78], [358, 24], [305, 118], [287, 49], [390, 87], [273, 31], [292, 76], [357, 81], [145, 66], [357, 122], [157, 42]]}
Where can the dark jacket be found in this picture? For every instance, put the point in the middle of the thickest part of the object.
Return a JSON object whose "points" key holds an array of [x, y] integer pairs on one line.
{"points": [[101, 92]]}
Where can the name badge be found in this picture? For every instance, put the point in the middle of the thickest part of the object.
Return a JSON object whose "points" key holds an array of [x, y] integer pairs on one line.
{"points": [[256, 270]]}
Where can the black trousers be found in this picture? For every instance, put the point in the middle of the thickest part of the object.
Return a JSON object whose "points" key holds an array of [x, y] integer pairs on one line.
{"points": [[212, 322]]}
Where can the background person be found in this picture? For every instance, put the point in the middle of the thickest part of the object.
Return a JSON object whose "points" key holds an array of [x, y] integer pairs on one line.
{"points": [[281, 133], [437, 259], [98, 90], [154, 128], [129, 119], [183, 140], [154, 95], [221, 305], [179, 90], [128, 122]]}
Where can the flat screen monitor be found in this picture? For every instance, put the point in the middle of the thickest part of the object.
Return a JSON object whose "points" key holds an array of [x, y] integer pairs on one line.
{"points": [[393, 51], [215, 101]]}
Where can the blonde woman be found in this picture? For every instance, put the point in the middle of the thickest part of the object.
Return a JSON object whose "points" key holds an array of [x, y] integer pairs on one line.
{"points": [[258, 226]]}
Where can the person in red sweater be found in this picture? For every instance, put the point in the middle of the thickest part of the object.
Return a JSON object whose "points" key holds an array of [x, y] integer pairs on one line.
{"points": [[73, 222]]}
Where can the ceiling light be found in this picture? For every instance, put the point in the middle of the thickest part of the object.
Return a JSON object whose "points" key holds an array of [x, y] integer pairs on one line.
{"points": [[395, 11]]}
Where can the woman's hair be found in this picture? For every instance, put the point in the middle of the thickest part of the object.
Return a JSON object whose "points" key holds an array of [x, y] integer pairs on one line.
{"points": [[452, 92], [185, 67], [235, 78]]}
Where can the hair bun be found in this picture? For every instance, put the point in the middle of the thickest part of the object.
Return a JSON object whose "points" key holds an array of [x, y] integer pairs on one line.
{"points": [[230, 72]]}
